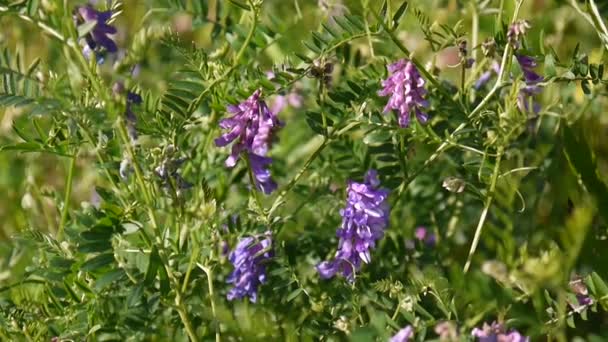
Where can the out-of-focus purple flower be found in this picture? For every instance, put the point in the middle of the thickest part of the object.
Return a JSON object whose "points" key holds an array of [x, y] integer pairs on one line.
{"points": [[517, 30], [403, 335], [531, 78], [496, 332], [280, 102], [252, 127], [422, 234], [364, 219], [99, 36], [248, 259], [406, 89], [446, 331], [486, 76], [132, 99]]}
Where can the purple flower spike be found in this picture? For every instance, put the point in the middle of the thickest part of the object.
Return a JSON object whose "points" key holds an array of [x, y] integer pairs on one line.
{"points": [[248, 259], [100, 34], [497, 333], [531, 78], [253, 127], [406, 89], [403, 335], [364, 219]]}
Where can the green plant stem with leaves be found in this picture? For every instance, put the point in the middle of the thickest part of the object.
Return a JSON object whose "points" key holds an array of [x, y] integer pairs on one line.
{"points": [[68, 195]]}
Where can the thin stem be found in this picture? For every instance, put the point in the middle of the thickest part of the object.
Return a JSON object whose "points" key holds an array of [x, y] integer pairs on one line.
{"points": [[181, 310], [278, 201], [209, 272], [486, 208], [484, 102], [254, 185], [100, 160], [67, 196], [194, 105]]}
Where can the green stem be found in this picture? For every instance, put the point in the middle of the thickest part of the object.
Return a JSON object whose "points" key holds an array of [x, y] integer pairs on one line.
{"points": [[101, 161], [484, 102], [279, 200], [67, 196], [486, 208], [196, 103], [209, 272], [254, 185]]}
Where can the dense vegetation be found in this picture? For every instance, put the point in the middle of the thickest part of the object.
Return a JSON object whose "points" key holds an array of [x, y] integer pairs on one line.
{"points": [[177, 170]]}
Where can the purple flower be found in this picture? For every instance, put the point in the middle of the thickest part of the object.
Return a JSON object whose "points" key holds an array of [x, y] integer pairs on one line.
{"points": [[132, 99], [531, 78], [422, 234], [248, 259], [364, 219], [446, 331], [406, 89], [252, 126], [486, 76], [99, 36], [517, 30], [497, 333], [403, 335]]}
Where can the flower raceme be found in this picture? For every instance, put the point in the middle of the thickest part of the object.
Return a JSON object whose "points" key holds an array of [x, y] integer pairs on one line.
{"points": [[406, 89], [99, 36], [248, 259], [253, 127], [364, 220]]}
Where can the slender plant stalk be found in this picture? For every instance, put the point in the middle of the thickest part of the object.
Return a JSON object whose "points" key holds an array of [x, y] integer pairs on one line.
{"points": [[67, 196], [279, 200], [230, 70], [486, 208], [254, 186], [484, 102], [209, 273]]}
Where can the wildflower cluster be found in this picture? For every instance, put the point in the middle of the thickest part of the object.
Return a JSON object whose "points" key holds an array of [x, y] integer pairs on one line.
{"points": [[407, 93], [160, 237], [364, 220], [248, 258], [253, 126]]}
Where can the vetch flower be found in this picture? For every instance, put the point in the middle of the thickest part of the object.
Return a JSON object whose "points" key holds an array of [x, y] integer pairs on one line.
{"points": [[422, 234], [403, 335], [531, 78], [364, 219], [248, 259], [99, 36], [446, 331], [496, 332], [253, 127], [406, 89]]}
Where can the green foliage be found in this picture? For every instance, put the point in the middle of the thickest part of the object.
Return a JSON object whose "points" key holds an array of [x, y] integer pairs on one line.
{"points": [[117, 217]]}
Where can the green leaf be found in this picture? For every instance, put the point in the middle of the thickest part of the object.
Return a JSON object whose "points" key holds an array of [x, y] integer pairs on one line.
{"points": [[583, 162], [294, 294], [98, 262], [376, 138], [85, 28], [153, 265], [399, 13], [550, 66], [240, 4]]}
